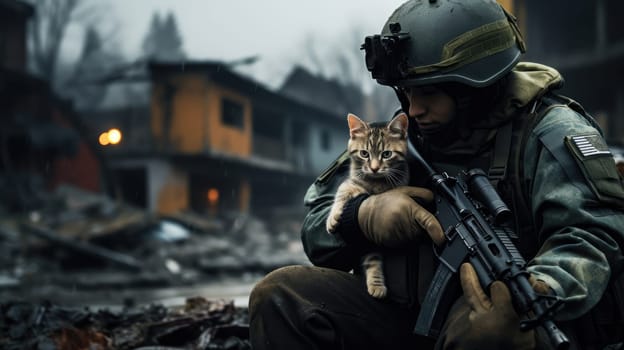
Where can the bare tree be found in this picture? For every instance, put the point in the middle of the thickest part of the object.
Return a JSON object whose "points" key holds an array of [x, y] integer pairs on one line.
{"points": [[48, 29], [83, 80], [348, 60], [53, 24], [313, 57], [343, 60]]}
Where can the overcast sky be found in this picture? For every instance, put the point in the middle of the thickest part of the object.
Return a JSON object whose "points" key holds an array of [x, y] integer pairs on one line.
{"points": [[276, 30]]}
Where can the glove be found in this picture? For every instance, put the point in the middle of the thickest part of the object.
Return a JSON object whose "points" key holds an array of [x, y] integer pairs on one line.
{"points": [[479, 322], [392, 218]]}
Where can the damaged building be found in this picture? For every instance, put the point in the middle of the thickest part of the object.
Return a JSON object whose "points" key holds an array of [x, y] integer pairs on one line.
{"points": [[42, 139], [221, 142]]}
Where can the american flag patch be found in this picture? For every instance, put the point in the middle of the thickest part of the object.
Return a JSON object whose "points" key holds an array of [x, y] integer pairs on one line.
{"points": [[590, 145]]}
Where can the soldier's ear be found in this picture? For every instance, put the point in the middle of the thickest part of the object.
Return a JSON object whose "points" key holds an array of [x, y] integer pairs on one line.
{"points": [[357, 127]]}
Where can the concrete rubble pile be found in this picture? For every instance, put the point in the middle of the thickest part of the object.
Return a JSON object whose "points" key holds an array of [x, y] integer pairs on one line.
{"points": [[87, 240], [78, 272], [199, 324]]}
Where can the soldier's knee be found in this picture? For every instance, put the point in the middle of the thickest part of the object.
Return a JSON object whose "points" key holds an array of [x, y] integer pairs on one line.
{"points": [[271, 288]]}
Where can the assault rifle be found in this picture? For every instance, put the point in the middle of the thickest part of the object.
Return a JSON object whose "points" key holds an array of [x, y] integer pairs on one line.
{"points": [[473, 215]]}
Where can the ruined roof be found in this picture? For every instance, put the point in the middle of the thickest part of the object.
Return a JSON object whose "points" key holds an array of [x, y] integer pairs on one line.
{"points": [[222, 73], [326, 94]]}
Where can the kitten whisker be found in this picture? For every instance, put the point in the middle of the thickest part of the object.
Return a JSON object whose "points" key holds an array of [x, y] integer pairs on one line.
{"points": [[399, 172], [395, 178]]}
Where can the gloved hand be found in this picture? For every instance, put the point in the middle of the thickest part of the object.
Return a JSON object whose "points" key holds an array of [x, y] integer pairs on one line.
{"points": [[480, 322], [393, 217]]}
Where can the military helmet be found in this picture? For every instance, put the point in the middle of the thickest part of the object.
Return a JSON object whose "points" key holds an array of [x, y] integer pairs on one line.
{"points": [[436, 41]]}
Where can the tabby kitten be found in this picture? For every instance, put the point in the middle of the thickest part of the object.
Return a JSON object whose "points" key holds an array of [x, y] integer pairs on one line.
{"points": [[377, 164]]}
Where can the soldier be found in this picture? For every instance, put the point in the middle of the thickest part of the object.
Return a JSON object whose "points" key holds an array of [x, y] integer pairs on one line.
{"points": [[455, 67]]}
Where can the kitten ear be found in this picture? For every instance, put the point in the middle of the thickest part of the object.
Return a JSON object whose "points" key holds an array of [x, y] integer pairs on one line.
{"points": [[398, 126], [357, 127]]}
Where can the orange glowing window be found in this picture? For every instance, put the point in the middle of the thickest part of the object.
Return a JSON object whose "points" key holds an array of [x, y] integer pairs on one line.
{"points": [[213, 196]]}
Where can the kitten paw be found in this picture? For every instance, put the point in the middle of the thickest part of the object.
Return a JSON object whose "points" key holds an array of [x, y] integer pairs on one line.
{"points": [[378, 292], [331, 225], [332, 219]]}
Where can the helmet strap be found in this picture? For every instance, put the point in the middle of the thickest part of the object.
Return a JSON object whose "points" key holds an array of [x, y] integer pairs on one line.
{"points": [[402, 99]]}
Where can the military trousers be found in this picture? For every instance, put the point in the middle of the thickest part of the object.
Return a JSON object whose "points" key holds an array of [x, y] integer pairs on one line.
{"points": [[304, 307]]}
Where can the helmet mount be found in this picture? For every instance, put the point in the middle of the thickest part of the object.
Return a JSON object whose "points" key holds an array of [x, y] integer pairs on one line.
{"points": [[385, 54]]}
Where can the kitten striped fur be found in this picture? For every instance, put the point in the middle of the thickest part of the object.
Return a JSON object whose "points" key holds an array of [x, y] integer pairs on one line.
{"points": [[378, 164]]}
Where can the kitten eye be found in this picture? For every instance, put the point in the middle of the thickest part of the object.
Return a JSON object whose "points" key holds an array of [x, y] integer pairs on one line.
{"points": [[386, 154], [364, 154]]}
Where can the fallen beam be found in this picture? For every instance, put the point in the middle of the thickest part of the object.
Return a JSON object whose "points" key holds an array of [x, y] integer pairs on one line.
{"points": [[83, 247]]}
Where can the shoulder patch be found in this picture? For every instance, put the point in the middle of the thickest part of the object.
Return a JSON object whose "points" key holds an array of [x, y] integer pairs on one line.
{"points": [[589, 145], [598, 166]]}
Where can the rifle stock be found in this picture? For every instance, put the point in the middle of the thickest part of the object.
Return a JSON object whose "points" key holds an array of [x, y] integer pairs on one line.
{"points": [[473, 216]]}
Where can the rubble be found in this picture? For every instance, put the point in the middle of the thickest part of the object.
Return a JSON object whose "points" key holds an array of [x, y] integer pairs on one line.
{"points": [[83, 247], [84, 234], [83, 271], [198, 324]]}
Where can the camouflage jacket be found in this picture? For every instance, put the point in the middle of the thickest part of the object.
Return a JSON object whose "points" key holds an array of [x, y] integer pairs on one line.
{"points": [[574, 200]]}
